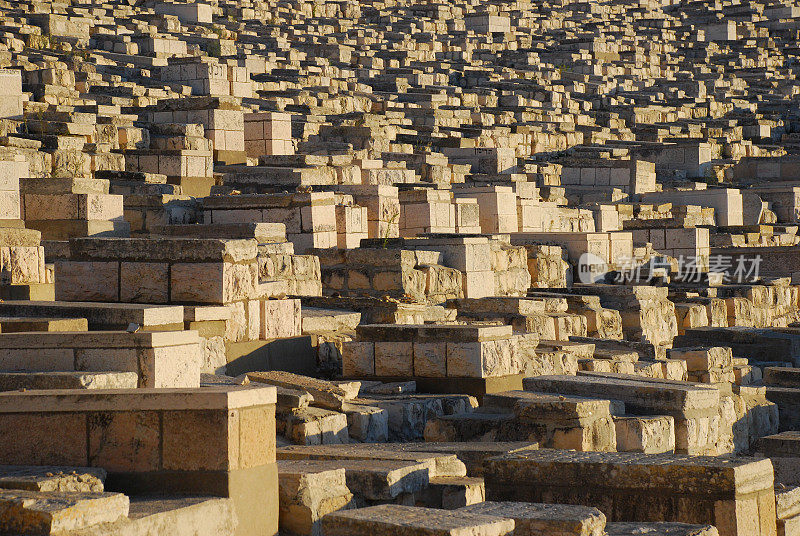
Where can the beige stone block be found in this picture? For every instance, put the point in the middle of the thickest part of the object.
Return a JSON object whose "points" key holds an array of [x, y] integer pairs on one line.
{"points": [[50, 207], [107, 359], [430, 359], [125, 440], [10, 208], [212, 282], [358, 359], [200, 440], [253, 308], [100, 207], [257, 436], [144, 282], [651, 435], [39, 439], [479, 359], [170, 366], [87, 281], [394, 359], [43, 359], [26, 264], [280, 319]]}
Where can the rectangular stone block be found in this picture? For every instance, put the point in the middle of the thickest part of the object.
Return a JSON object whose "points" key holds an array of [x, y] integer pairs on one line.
{"points": [[736, 496]]}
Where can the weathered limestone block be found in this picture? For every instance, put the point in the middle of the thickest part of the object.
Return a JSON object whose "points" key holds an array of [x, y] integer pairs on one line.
{"points": [[695, 409], [449, 493], [200, 270], [396, 519], [650, 435], [432, 351], [438, 462], [660, 528], [52, 479], [552, 421], [139, 435], [29, 512], [309, 492], [268, 133], [538, 518], [643, 487], [313, 426], [160, 359], [310, 218], [10, 93]]}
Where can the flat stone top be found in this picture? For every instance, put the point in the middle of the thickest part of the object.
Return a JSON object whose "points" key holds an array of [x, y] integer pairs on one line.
{"points": [[498, 447], [203, 313], [787, 501], [547, 405], [659, 529], [277, 200], [389, 468], [784, 444], [52, 478], [432, 333], [223, 397], [306, 467], [13, 237], [536, 511], [262, 232], [151, 504], [633, 390], [164, 249], [23, 324], [499, 305], [411, 521], [45, 504], [633, 470], [439, 464], [97, 339], [643, 379], [97, 313]]}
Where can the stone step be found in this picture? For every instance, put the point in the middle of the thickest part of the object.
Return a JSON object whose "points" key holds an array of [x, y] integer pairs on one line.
{"points": [[308, 490], [644, 394], [43, 513], [650, 435], [376, 480], [326, 394], [451, 492], [52, 478], [580, 350], [100, 316], [366, 423], [537, 518], [660, 529], [318, 320], [28, 291], [787, 509], [437, 463], [735, 495], [173, 515], [782, 376], [397, 520], [313, 426], [410, 413], [471, 454], [13, 381], [19, 324]]}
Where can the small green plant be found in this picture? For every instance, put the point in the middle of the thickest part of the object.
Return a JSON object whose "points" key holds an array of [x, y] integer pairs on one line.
{"points": [[214, 49], [389, 221]]}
